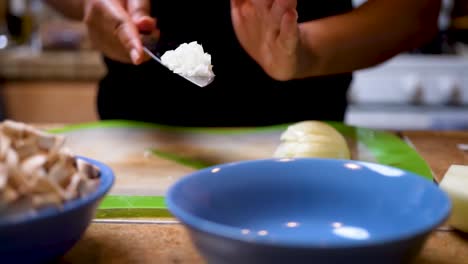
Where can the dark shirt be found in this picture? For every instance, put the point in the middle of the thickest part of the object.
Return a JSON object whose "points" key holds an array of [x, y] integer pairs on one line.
{"points": [[241, 95]]}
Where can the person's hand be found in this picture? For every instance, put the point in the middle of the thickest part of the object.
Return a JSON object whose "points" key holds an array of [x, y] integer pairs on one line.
{"points": [[114, 26], [269, 32]]}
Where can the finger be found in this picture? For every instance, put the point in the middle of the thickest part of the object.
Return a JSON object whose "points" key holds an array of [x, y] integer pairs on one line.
{"points": [[235, 4], [124, 29], [279, 7], [111, 49], [149, 30], [146, 24], [111, 17], [262, 8], [277, 11], [242, 11], [264, 5], [128, 36], [288, 36], [138, 9], [236, 16], [126, 32], [250, 14], [236, 7], [291, 4], [244, 21]]}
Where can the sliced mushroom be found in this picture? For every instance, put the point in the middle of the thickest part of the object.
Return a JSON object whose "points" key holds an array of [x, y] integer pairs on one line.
{"points": [[26, 147], [52, 158], [5, 144], [36, 167], [33, 163], [3, 176], [88, 169], [48, 199], [41, 172], [62, 170], [8, 195], [86, 187], [11, 158], [13, 129], [44, 186], [50, 142], [46, 142], [18, 181], [71, 190]]}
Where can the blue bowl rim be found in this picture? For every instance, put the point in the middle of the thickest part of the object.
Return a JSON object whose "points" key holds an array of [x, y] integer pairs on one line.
{"points": [[105, 184], [232, 233]]}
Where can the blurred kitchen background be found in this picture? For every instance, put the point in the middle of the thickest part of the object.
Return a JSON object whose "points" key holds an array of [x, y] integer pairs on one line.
{"points": [[49, 73]]}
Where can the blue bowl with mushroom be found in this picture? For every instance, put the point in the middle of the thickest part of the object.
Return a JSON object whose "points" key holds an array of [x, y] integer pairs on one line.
{"points": [[47, 234], [307, 210]]}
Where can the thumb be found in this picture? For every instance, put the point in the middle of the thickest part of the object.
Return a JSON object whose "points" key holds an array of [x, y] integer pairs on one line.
{"points": [[139, 11], [111, 19], [127, 33]]}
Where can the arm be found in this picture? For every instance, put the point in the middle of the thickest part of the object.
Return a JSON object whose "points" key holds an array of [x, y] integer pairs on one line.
{"points": [[375, 32], [72, 9], [358, 39]]}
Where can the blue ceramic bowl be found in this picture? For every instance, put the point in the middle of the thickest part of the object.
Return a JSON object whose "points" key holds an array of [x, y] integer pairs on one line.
{"points": [[307, 211], [49, 234]]}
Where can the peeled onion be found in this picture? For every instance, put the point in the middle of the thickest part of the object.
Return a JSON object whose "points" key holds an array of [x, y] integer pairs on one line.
{"points": [[312, 139], [455, 184]]}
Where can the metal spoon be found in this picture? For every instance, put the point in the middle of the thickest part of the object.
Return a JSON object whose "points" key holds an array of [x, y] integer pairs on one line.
{"points": [[151, 47]]}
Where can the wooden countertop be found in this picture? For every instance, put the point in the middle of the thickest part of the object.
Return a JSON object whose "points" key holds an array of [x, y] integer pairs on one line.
{"points": [[169, 243]]}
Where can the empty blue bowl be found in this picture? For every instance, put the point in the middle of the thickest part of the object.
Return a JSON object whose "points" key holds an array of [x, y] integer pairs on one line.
{"points": [[307, 211], [50, 233]]}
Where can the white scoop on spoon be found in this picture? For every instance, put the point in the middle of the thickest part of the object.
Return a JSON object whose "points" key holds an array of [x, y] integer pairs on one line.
{"points": [[150, 46]]}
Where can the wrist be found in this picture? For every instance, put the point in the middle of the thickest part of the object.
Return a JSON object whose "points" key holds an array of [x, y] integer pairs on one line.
{"points": [[307, 61]]}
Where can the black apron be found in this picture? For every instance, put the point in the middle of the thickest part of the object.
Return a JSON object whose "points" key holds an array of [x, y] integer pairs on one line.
{"points": [[241, 95]]}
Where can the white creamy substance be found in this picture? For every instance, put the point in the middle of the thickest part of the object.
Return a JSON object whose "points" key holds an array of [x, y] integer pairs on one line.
{"points": [[189, 60]]}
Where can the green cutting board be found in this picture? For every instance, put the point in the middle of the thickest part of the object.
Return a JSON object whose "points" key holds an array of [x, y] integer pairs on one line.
{"points": [[148, 158]]}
